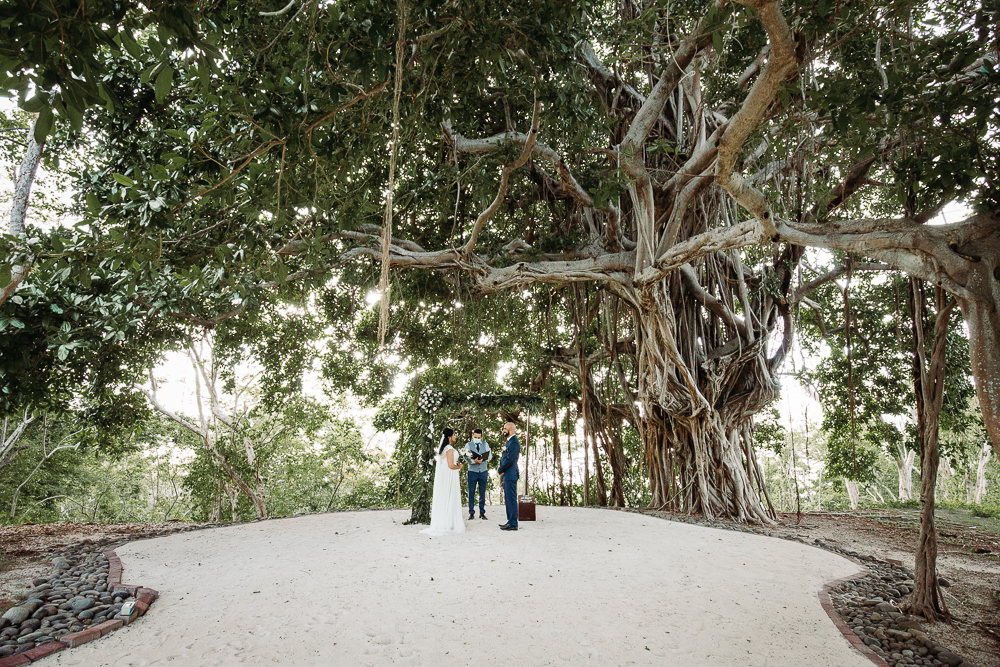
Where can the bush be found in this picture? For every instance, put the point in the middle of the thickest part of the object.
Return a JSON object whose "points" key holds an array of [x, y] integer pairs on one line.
{"points": [[986, 512]]}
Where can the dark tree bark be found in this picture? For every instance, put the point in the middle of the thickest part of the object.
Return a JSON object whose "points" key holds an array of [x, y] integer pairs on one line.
{"points": [[928, 384]]}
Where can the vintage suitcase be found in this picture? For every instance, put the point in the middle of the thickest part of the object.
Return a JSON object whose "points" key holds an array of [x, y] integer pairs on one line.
{"points": [[525, 508]]}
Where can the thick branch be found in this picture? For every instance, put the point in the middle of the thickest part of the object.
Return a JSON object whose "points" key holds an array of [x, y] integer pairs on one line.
{"points": [[763, 93], [711, 303], [19, 211], [485, 146], [945, 255], [718, 238]]}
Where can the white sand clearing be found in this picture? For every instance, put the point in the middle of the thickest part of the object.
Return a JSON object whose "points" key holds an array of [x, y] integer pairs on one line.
{"points": [[576, 587]]}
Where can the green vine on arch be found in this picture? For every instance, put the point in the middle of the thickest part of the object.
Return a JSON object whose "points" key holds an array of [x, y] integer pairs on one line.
{"points": [[430, 402]]}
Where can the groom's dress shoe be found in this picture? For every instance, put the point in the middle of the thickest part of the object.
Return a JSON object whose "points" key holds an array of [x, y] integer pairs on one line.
{"points": [[508, 527], [504, 525], [471, 516], [481, 516]]}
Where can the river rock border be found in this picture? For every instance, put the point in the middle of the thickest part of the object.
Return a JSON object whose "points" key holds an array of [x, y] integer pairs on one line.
{"points": [[69, 595]]}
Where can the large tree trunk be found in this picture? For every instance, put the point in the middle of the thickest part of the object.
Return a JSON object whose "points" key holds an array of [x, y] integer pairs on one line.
{"points": [[703, 408], [928, 381], [983, 321]]}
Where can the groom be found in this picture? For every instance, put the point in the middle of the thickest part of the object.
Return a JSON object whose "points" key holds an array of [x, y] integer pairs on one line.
{"points": [[509, 474]]}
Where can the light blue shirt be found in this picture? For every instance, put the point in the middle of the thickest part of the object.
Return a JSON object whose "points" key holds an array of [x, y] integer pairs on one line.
{"points": [[475, 448]]}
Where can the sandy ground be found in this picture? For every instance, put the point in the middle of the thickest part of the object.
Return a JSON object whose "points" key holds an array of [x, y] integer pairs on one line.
{"points": [[578, 587], [973, 599]]}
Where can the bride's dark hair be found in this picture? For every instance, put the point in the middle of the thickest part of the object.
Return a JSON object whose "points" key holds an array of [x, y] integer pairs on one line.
{"points": [[445, 437]]}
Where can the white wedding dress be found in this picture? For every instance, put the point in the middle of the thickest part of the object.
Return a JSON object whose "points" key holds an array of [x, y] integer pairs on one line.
{"points": [[446, 504]]}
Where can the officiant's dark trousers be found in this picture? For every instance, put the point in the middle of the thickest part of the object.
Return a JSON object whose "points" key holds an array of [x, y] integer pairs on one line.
{"points": [[510, 499], [477, 479]]}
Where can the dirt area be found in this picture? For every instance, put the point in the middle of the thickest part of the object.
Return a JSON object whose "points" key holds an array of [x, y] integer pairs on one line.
{"points": [[26, 550], [969, 557]]}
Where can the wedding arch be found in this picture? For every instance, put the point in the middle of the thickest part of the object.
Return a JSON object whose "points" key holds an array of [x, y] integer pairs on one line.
{"points": [[431, 402]]}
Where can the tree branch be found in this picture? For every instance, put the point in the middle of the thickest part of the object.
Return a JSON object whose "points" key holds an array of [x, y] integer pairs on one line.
{"points": [[508, 169], [944, 255], [486, 146], [799, 294], [764, 91]]}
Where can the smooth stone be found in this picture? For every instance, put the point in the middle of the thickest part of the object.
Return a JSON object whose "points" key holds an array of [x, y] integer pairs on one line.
{"points": [[19, 614], [886, 607], [944, 583], [90, 613], [6, 651], [949, 658], [31, 623], [10, 632], [39, 581], [80, 603], [909, 624], [29, 638]]}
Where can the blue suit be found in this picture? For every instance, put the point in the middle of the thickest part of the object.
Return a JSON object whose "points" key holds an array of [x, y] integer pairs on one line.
{"points": [[508, 468]]}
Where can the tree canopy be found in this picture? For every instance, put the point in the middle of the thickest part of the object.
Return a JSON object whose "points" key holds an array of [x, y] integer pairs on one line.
{"points": [[661, 166]]}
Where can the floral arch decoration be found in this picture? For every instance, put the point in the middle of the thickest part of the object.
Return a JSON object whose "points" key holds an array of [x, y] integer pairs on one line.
{"points": [[431, 401]]}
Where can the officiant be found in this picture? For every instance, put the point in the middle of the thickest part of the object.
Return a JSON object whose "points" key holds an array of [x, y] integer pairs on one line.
{"points": [[478, 453]]}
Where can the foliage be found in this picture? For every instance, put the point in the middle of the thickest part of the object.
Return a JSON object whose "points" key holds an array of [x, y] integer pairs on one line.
{"points": [[243, 194], [866, 387]]}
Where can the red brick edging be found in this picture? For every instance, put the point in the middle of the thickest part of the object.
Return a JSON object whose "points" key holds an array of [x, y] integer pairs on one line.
{"points": [[144, 598], [824, 600]]}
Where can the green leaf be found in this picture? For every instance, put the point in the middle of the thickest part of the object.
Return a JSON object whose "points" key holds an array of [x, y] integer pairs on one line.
{"points": [[75, 117], [130, 45], [717, 41], [123, 180], [35, 104], [62, 353], [163, 82], [5, 272], [43, 125], [93, 203]]}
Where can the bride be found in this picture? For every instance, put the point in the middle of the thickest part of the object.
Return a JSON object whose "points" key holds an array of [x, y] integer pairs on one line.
{"points": [[446, 504]]}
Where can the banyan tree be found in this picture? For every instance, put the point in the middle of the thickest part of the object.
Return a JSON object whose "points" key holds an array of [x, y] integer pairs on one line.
{"points": [[679, 157], [676, 157]]}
